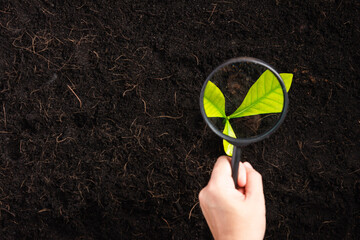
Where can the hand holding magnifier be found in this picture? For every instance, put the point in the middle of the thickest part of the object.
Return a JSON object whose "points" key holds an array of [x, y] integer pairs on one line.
{"points": [[243, 101]]}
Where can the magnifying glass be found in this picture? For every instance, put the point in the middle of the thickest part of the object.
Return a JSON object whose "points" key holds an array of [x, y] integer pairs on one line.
{"points": [[243, 101]]}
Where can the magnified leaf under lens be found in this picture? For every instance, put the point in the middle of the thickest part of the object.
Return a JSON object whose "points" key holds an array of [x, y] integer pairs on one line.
{"points": [[265, 96]]}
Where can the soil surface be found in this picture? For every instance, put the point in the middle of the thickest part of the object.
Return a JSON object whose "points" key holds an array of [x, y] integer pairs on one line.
{"points": [[101, 133]]}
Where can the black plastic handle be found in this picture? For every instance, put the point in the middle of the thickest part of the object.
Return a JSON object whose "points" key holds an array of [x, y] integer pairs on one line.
{"points": [[235, 160]]}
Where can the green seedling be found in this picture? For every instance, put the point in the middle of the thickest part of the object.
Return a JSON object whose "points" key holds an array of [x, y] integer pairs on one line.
{"points": [[265, 96]]}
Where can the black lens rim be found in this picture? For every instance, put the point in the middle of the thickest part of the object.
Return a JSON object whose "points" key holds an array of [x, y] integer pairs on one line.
{"points": [[245, 141]]}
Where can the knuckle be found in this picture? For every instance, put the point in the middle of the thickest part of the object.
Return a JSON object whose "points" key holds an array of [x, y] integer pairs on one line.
{"points": [[212, 188], [201, 195], [256, 174]]}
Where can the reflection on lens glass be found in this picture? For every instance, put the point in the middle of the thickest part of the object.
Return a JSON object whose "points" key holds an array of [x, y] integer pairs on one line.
{"points": [[243, 100]]}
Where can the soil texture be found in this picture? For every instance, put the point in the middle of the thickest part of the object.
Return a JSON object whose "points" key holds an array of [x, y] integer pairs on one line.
{"points": [[101, 135]]}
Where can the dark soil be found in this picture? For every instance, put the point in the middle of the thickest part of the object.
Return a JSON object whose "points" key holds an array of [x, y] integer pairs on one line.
{"points": [[101, 133]]}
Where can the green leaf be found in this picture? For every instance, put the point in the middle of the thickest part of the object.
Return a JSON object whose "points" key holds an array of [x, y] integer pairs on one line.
{"points": [[214, 101], [264, 96], [287, 78], [228, 130]]}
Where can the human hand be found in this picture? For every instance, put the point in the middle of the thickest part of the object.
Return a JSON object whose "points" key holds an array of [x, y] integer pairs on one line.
{"points": [[234, 213]]}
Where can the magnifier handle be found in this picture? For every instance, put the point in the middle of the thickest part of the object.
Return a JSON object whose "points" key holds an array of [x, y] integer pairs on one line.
{"points": [[235, 164]]}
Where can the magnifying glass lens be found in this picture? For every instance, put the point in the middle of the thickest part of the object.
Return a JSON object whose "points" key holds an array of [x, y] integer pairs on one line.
{"points": [[243, 100]]}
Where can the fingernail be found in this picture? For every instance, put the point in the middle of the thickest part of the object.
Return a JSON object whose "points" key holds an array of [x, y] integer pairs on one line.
{"points": [[248, 165]]}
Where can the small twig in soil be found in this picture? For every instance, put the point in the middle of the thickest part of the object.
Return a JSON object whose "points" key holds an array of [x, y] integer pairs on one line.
{"points": [[166, 116], [75, 95], [354, 171], [145, 108], [36, 40], [162, 78], [4, 11], [212, 12], [143, 54], [129, 90], [4, 110], [192, 209], [64, 139], [4, 132], [186, 158], [138, 138], [196, 58], [263, 158], [166, 222], [97, 55], [44, 210], [45, 11], [300, 145], [165, 133], [4, 209]]}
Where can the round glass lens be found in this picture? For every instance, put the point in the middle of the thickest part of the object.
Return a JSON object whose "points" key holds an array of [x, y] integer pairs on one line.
{"points": [[243, 99]]}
